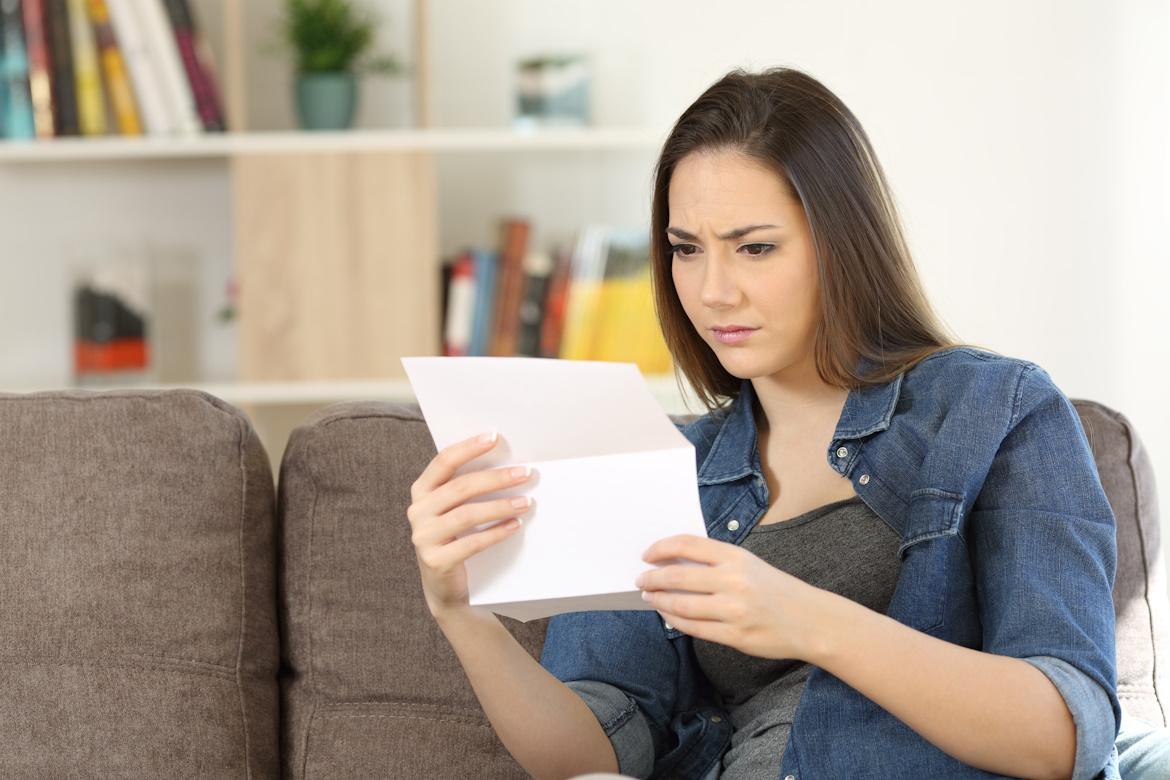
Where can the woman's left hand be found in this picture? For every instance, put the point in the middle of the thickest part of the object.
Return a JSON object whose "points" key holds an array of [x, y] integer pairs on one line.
{"points": [[737, 599]]}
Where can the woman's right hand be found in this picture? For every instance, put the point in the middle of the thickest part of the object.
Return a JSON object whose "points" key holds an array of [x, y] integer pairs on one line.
{"points": [[438, 514]]}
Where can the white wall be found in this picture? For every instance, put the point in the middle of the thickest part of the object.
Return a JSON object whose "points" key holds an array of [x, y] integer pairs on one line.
{"points": [[1028, 146]]}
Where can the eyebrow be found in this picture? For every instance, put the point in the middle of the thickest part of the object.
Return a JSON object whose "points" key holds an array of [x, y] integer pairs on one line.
{"points": [[737, 233]]}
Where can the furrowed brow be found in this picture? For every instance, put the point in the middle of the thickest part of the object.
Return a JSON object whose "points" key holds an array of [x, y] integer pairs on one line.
{"points": [[728, 236]]}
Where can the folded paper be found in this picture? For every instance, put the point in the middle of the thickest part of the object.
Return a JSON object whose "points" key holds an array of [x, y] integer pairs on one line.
{"points": [[611, 475]]}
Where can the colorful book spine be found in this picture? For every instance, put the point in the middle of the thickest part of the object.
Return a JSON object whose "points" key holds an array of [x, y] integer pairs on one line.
{"points": [[486, 262], [537, 270], [16, 110], [513, 246], [626, 327], [164, 57], [65, 118], [114, 69], [584, 298], [460, 307], [40, 79], [143, 77], [187, 38], [91, 101], [553, 323]]}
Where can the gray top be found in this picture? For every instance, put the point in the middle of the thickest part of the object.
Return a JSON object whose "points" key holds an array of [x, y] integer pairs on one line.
{"points": [[841, 547]]}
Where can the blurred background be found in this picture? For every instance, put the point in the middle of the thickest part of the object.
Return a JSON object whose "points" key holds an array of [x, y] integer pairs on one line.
{"points": [[277, 206]]}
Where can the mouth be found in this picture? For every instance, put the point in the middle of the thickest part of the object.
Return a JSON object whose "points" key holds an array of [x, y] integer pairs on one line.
{"points": [[733, 335]]}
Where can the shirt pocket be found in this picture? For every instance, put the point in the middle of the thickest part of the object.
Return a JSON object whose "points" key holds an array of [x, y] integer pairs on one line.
{"points": [[931, 551]]}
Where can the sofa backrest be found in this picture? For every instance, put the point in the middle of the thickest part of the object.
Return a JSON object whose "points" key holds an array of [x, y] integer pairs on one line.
{"points": [[371, 687], [1139, 592], [137, 588]]}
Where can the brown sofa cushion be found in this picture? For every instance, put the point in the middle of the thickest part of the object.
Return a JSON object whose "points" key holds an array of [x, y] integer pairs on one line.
{"points": [[137, 588], [371, 687]]}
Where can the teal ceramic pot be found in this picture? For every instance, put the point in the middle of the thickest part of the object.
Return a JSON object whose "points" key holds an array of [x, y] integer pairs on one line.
{"points": [[326, 101]]}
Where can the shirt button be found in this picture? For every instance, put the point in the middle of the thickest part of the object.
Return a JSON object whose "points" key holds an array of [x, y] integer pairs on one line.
{"points": [[733, 525], [716, 719], [864, 479], [668, 626], [790, 777], [842, 452]]}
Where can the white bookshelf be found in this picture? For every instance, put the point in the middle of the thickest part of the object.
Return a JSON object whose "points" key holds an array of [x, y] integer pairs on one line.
{"points": [[225, 145]]}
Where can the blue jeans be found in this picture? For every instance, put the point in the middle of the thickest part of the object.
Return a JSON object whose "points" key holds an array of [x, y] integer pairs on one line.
{"points": [[1143, 749]]}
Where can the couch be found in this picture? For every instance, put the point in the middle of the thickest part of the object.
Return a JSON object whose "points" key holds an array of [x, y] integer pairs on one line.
{"points": [[172, 610]]}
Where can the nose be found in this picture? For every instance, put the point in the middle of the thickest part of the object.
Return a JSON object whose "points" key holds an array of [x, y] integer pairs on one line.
{"points": [[719, 286]]}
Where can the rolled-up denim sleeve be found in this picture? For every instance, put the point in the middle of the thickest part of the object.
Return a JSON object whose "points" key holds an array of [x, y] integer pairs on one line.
{"points": [[623, 723], [1044, 555], [1091, 709], [626, 650]]}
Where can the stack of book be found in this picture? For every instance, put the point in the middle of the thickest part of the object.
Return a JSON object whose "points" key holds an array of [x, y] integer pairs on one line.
{"points": [[104, 67], [590, 301]]}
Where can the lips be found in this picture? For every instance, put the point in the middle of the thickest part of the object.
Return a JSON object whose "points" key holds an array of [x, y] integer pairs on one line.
{"points": [[733, 334]]}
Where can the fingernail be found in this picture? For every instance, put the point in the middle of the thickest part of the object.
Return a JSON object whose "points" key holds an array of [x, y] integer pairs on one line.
{"points": [[638, 581], [520, 471], [486, 437], [520, 501], [645, 595]]}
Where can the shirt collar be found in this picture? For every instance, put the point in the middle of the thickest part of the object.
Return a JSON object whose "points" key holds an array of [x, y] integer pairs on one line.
{"points": [[734, 453]]}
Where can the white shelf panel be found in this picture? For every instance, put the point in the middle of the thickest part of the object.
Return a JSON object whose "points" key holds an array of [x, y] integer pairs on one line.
{"points": [[319, 393], [225, 145]]}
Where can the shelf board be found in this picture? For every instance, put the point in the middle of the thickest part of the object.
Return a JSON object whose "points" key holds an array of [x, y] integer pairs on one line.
{"points": [[319, 393], [225, 145]]}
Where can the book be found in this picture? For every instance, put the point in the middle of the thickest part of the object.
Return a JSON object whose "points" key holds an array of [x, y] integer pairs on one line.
{"points": [[144, 79], [584, 294], [16, 110], [553, 323], [537, 270], [483, 318], [65, 118], [513, 246], [91, 101], [187, 38], [163, 52], [625, 326], [113, 68], [40, 79], [460, 306]]}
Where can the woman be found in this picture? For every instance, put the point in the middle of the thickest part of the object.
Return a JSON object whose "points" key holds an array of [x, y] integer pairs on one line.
{"points": [[910, 557]]}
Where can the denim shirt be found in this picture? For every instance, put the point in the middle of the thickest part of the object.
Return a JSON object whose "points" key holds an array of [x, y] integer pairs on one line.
{"points": [[979, 462]]}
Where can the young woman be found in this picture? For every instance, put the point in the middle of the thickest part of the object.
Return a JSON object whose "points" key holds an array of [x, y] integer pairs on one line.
{"points": [[910, 557]]}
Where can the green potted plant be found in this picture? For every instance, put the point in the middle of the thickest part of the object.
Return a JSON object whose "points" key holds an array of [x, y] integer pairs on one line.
{"points": [[330, 40]]}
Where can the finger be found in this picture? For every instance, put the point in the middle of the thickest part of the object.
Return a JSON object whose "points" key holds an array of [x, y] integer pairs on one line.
{"points": [[700, 549], [458, 551], [709, 630], [694, 606], [442, 529], [475, 484], [700, 578], [444, 465]]}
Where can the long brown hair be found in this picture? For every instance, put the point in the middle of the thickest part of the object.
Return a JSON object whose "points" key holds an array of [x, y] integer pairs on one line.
{"points": [[872, 304]]}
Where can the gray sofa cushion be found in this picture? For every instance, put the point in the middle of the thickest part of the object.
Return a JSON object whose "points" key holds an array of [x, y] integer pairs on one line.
{"points": [[137, 588], [1139, 593], [372, 688]]}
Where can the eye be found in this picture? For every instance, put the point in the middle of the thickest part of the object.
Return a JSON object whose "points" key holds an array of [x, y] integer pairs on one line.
{"points": [[677, 249], [761, 249]]}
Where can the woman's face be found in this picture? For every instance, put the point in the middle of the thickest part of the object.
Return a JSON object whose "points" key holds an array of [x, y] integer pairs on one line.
{"points": [[765, 279]]}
